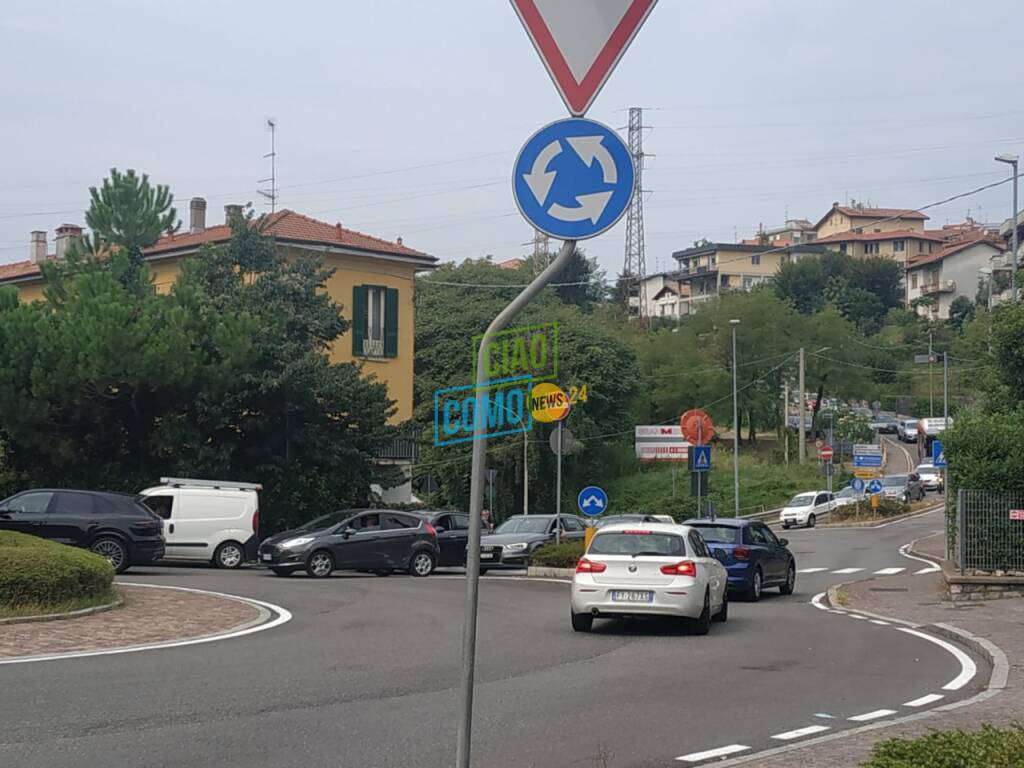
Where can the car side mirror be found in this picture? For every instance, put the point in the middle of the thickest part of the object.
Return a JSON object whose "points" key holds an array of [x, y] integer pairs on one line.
{"points": [[784, 542], [440, 529], [348, 532]]}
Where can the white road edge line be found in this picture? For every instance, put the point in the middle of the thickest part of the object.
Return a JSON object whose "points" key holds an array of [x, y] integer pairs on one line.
{"points": [[872, 715], [905, 552], [848, 570], [816, 601], [710, 754], [801, 732], [880, 623], [283, 616], [931, 698], [811, 570], [967, 667]]}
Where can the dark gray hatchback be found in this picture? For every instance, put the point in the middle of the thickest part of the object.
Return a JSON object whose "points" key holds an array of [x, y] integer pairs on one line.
{"points": [[376, 540]]}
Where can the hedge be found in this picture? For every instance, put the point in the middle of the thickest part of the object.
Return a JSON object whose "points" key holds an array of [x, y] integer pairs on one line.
{"points": [[35, 571], [987, 748], [886, 508], [564, 555]]}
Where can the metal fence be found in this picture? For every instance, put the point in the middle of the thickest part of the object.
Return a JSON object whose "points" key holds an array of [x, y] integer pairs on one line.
{"points": [[989, 531]]}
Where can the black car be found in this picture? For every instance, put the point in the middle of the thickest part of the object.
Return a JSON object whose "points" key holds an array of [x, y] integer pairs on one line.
{"points": [[452, 535], [513, 542], [114, 525], [376, 540]]}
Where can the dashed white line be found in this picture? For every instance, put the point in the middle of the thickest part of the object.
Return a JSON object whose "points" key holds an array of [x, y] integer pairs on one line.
{"points": [[811, 570], [855, 616], [849, 570], [889, 571], [710, 754], [799, 733], [931, 698], [967, 667], [872, 715], [880, 623]]}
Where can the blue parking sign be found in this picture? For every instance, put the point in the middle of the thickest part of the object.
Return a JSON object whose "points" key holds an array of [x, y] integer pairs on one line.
{"points": [[938, 454]]}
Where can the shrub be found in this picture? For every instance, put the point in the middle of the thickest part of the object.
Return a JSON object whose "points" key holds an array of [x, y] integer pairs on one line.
{"points": [[35, 571], [987, 748], [564, 555], [886, 508]]}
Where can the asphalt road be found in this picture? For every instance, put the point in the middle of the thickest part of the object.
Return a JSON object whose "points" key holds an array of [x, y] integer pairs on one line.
{"points": [[365, 676]]}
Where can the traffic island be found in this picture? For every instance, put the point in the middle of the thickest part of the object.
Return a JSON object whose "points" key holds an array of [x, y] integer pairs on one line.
{"points": [[151, 617]]}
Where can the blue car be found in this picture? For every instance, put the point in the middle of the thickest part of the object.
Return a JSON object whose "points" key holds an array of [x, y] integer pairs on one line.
{"points": [[753, 555]]}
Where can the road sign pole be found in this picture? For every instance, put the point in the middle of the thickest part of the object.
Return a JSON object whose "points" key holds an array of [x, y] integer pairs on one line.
{"points": [[673, 481], [802, 447], [558, 489], [945, 391], [476, 501]]}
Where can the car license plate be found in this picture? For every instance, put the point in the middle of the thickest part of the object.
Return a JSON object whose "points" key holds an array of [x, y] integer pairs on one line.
{"points": [[487, 554], [267, 556], [620, 596]]}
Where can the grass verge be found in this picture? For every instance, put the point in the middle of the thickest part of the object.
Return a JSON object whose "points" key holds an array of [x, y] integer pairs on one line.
{"points": [[988, 747], [26, 610]]}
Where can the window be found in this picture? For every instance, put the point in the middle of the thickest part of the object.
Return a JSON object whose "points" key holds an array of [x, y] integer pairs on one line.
{"points": [[756, 536], [913, 279], [719, 534], [30, 502], [374, 321], [755, 259], [700, 549], [842, 247], [712, 260], [401, 522], [460, 522], [366, 523], [822, 499], [74, 504], [920, 246], [572, 524], [161, 505], [870, 248], [769, 536], [748, 283], [621, 543]]}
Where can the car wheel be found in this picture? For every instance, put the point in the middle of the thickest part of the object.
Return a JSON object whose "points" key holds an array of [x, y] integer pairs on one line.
{"points": [[811, 521], [282, 571], [383, 572], [230, 554], [785, 526], [702, 624], [723, 613], [754, 593], [582, 622], [113, 550], [787, 588], [320, 564], [422, 564]]}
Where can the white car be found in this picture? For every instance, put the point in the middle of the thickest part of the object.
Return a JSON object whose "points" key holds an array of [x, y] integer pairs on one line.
{"points": [[845, 497], [907, 431], [806, 508], [649, 569], [931, 477]]}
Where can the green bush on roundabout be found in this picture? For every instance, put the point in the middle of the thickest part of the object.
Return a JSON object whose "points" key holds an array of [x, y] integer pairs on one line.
{"points": [[38, 572]]}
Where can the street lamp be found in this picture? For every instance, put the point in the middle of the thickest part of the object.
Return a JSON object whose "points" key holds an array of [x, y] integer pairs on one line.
{"points": [[1012, 160], [735, 427]]}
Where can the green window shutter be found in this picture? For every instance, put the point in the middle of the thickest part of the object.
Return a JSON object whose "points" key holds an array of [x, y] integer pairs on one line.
{"points": [[391, 322], [358, 319]]}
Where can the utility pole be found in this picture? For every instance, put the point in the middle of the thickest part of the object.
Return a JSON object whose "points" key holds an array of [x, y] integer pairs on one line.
{"points": [[272, 194], [1012, 161], [802, 448], [541, 251], [635, 266], [931, 389], [785, 421], [526, 475], [945, 391], [735, 427]]}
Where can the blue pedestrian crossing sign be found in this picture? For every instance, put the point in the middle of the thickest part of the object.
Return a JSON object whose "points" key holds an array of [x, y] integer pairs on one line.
{"points": [[592, 501], [857, 484], [875, 486], [701, 458], [573, 179], [938, 454]]}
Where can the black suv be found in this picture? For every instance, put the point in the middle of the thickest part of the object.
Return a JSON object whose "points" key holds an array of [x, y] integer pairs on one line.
{"points": [[114, 525], [452, 535], [377, 540]]}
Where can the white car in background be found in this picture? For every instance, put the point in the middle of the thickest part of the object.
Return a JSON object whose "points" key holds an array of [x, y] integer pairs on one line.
{"points": [[846, 496], [931, 477], [806, 508], [649, 569], [907, 430]]}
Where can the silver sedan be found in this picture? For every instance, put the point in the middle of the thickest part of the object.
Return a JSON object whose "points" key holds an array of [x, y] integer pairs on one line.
{"points": [[645, 569]]}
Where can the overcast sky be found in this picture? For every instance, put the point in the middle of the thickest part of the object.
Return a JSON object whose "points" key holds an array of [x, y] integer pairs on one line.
{"points": [[755, 109]]}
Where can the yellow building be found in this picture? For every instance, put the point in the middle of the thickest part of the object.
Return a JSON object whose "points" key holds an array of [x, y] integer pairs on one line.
{"points": [[710, 268], [843, 219], [373, 282]]}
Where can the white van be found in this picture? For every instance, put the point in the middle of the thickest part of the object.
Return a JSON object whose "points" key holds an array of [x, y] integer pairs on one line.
{"points": [[215, 521]]}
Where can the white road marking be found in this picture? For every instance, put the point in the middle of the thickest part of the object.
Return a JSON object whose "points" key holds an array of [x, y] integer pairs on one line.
{"points": [[283, 616], [849, 570], [801, 732], [929, 699], [811, 570], [855, 616], [889, 571], [710, 754], [872, 715], [879, 622], [816, 601], [967, 668], [932, 565], [926, 570]]}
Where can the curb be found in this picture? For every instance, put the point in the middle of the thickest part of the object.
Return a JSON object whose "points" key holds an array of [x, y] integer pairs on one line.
{"points": [[883, 523], [116, 603]]}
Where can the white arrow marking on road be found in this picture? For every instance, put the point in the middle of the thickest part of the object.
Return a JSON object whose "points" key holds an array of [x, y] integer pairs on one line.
{"points": [[540, 179], [591, 207], [590, 147]]}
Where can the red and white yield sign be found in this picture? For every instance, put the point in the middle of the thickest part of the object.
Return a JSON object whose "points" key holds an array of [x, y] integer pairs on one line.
{"points": [[581, 41], [826, 453]]}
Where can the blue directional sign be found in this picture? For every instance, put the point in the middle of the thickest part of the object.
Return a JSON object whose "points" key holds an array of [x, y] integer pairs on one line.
{"points": [[857, 484], [938, 454], [592, 501], [875, 486], [701, 458], [573, 179], [867, 461]]}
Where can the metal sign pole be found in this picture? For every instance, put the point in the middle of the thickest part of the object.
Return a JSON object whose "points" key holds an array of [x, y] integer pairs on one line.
{"points": [[558, 489], [476, 502], [700, 482]]}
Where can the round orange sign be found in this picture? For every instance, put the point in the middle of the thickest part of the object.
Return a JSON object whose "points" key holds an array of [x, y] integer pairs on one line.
{"points": [[548, 402]]}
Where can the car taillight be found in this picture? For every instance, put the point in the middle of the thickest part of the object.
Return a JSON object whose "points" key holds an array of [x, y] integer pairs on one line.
{"points": [[741, 553], [685, 568], [589, 566], [430, 529], [256, 522]]}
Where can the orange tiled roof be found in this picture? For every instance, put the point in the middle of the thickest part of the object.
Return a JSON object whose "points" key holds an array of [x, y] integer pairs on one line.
{"points": [[18, 269], [899, 234], [512, 263], [964, 242], [872, 213]]}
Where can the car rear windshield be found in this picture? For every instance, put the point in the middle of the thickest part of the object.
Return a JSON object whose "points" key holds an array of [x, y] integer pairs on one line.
{"points": [[925, 469], [719, 534], [803, 500], [894, 480], [910, 425], [637, 544]]}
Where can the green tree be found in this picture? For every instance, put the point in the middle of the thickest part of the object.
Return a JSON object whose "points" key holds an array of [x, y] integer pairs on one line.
{"points": [[961, 311]]}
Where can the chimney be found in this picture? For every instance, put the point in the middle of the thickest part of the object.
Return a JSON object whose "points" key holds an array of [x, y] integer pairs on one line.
{"points": [[231, 212], [65, 234], [197, 215], [835, 204], [37, 247], [399, 241]]}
